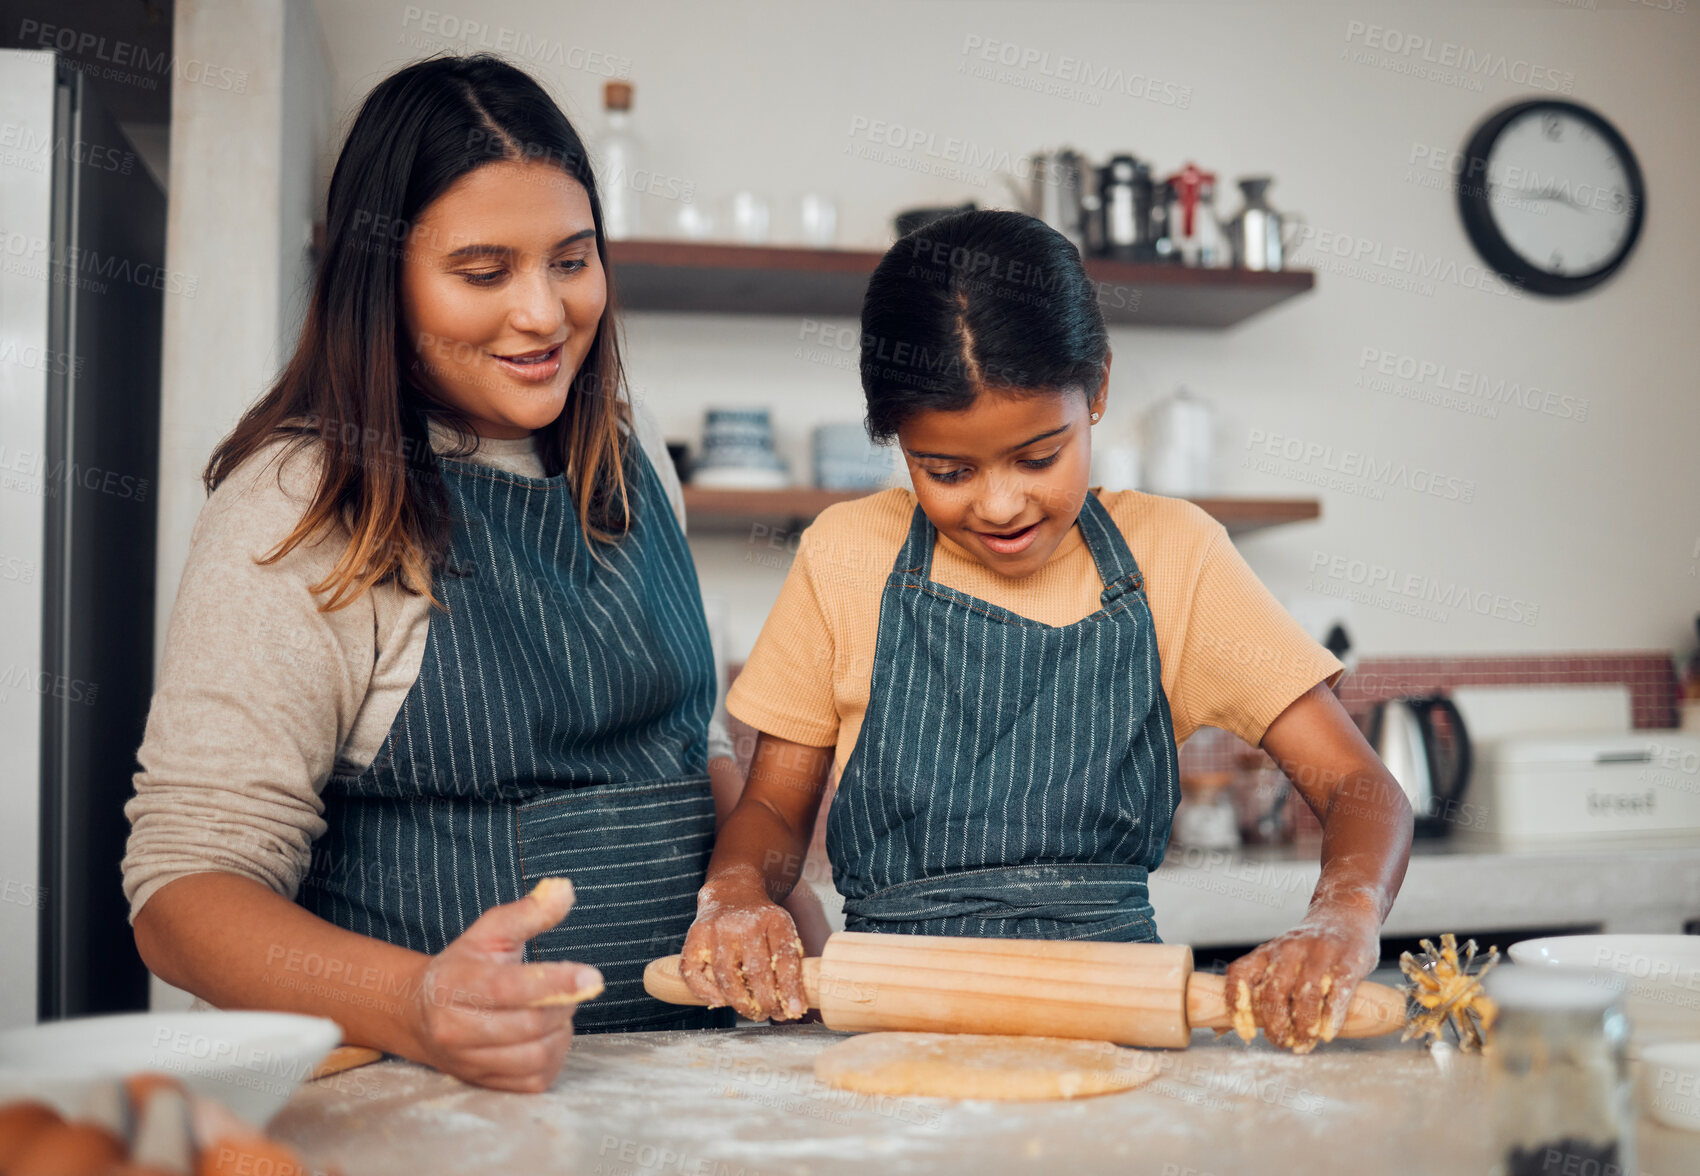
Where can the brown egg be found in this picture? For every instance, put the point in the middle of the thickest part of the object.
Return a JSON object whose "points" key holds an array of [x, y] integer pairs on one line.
{"points": [[249, 1155], [68, 1149], [19, 1123]]}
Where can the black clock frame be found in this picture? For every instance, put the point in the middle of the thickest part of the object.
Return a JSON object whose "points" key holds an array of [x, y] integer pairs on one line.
{"points": [[1475, 200]]}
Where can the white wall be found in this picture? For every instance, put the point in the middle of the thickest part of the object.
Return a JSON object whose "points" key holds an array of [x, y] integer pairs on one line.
{"points": [[245, 190], [307, 144], [1594, 521], [247, 183]]}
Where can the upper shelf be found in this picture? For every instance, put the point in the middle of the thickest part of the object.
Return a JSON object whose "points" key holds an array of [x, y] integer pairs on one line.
{"points": [[716, 510], [761, 279]]}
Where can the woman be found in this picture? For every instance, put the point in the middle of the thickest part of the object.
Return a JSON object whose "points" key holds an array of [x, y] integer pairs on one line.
{"points": [[439, 638], [1002, 664]]}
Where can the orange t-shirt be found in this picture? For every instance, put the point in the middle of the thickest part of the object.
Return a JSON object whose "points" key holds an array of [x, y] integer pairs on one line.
{"points": [[1231, 656]]}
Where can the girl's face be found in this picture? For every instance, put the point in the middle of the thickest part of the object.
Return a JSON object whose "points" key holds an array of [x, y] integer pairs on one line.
{"points": [[502, 292], [1004, 478]]}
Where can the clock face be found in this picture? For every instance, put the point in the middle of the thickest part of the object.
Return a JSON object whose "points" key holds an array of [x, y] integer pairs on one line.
{"points": [[1558, 202], [1559, 193]]}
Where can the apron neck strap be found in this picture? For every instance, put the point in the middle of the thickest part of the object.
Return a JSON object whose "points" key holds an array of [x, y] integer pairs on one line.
{"points": [[1110, 553], [916, 556], [1116, 565]]}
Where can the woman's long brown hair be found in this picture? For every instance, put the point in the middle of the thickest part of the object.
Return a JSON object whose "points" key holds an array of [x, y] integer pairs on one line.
{"points": [[354, 386]]}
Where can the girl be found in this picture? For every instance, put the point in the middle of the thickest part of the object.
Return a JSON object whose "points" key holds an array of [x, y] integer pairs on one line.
{"points": [[439, 637], [1001, 666]]}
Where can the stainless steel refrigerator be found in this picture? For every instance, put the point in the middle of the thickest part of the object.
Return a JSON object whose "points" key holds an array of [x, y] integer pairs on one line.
{"points": [[82, 289]]}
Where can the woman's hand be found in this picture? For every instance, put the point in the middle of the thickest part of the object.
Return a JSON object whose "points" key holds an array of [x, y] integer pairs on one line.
{"points": [[1301, 983], [479, 1013], [743, 951]]}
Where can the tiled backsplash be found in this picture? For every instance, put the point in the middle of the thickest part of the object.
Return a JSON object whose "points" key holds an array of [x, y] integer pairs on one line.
{"points": [[1650, 676]]}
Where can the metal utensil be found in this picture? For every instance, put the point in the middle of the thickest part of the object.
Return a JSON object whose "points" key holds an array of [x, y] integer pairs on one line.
{"points": [[1257, 234]]}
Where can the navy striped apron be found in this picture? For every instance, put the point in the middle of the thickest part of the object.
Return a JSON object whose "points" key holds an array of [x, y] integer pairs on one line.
{"points": [[1012, 779], [558, 726]]}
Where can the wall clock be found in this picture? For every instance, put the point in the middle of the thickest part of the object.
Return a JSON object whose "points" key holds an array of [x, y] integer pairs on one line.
{"points": [[1551, 196]]}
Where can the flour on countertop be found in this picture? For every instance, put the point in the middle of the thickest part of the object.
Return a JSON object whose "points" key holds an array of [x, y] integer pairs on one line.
{"points": [[684, 1104]]}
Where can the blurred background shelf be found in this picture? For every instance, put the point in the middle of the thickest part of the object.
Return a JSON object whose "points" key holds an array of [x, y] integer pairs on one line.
{"points": [[760, 279], [724, 510]]}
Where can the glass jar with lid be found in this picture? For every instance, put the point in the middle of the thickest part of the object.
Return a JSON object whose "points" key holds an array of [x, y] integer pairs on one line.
{"points": [[1558, 1078]]}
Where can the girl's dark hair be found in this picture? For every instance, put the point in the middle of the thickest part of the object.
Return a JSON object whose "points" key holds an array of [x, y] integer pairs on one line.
{"points": [[973, 301], [355, 380]]}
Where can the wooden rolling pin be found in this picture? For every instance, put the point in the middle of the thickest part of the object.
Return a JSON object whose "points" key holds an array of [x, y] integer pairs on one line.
{"points": [[1129, 993], [345, 1057]]}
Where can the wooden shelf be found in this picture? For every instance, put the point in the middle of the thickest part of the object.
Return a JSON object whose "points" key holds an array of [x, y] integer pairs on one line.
{"points": [[775, 280], [1242, 515], [719, 509], [711, 511]]}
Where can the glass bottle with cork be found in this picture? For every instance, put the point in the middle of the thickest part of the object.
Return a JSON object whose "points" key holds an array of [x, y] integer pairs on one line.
{"points": [[621, 165]]}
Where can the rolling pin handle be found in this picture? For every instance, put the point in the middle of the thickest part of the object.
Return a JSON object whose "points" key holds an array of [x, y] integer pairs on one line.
{"points": [[663, 980], [1375, 1008]]}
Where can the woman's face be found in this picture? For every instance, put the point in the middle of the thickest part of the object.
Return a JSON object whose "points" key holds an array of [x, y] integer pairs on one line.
{"points": [[1004, 478], [502, 292]]}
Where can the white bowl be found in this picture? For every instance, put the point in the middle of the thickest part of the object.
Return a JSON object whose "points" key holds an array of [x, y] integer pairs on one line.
{"points": [[250, 1062], [1662, 973], [740, 477], [1670, 1083]]}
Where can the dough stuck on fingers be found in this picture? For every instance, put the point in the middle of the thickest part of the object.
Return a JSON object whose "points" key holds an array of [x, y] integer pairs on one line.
{"points": [[566, 998], [569, 998], [752, 1008], [1245, 1021], [1328, 1023], [703, 970], [967, 1065], [787, 961], [548, 889], [1317, 1031]]}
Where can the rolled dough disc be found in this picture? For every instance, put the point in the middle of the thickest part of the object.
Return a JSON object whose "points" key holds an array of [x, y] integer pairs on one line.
{"points": [[966, 1065]]}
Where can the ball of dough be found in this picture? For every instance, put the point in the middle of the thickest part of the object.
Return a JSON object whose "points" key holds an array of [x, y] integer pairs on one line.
{"points": [[967, 1065]]}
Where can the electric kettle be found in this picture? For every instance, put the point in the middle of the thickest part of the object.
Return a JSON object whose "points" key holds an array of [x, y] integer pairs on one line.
{"points": [[1403, 733]]}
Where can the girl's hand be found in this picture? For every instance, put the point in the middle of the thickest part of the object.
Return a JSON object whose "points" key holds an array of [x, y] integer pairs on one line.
{"points": [[744, 951], [480, 1014], [1301, 983]]}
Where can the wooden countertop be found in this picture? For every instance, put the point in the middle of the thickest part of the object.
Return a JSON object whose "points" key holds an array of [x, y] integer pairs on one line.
{"points": [[744, 1102]]}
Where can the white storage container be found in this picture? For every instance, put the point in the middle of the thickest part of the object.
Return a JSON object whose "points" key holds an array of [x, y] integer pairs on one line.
{"points": [[1552, 788]]}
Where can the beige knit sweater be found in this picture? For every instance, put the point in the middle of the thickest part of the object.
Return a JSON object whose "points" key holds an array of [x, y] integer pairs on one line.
{"points": [[261, 696]]}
